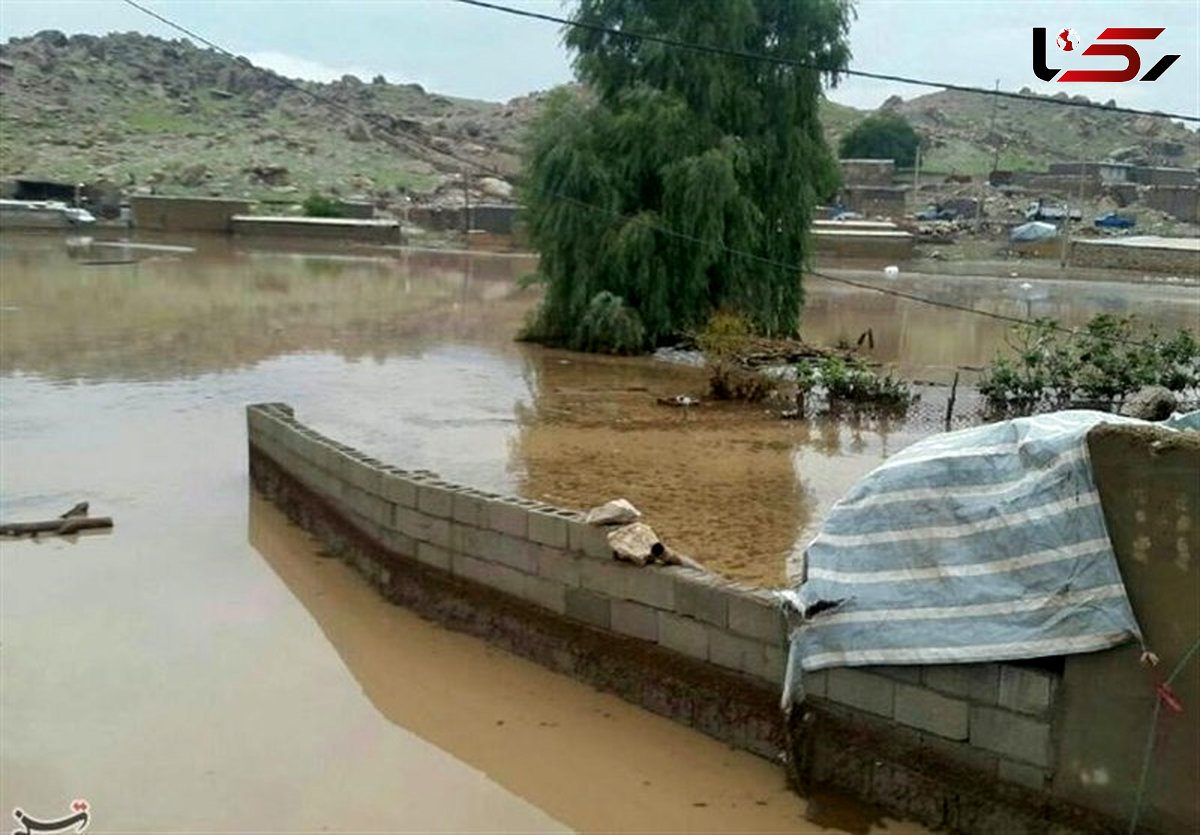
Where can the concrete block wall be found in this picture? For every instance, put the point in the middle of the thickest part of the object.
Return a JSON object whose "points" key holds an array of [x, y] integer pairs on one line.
{"points": [[542, 555], [680, 641], [994, 718]]}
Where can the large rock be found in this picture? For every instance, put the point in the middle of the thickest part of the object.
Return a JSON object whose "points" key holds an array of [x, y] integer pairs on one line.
{"points": [[1151, 403], [192, 175]]}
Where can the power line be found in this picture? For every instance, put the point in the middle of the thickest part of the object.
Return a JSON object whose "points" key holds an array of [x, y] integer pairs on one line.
{"points": [[802, 65], [411, 141]]}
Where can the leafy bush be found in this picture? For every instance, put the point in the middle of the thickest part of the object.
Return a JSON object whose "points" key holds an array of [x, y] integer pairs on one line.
{"points": [[724, 341], [849, 381], [609, 326], [317, 206], [886, 136], [1100, 364]]}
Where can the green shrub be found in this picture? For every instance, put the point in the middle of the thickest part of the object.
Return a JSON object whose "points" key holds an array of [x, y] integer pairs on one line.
{"points": [[1100, 364], [609, 326], [849, 381], [317, 206]]}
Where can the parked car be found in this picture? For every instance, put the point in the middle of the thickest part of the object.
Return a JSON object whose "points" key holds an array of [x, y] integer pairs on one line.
{"points": [[936, 213], [847, 216], [1041, 211], [1112, 220]]}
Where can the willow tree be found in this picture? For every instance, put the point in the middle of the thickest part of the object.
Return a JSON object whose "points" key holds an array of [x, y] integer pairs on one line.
{"points": [[673, 183]]}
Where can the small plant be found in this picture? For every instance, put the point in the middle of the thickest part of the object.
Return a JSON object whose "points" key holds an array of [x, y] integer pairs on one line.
{"points": [[724, 342], [316, 205], [849, 381]]}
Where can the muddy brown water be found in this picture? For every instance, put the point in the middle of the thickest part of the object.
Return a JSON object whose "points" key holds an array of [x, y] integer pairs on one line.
{"points": [[200, 668]]}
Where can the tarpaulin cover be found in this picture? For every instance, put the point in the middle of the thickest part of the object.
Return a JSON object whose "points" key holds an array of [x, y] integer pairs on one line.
{"points": [[978, 545]]}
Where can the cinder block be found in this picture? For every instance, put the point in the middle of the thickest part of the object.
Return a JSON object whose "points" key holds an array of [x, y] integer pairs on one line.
{"points": [[369, 506], [756, 614], [520, 554], [588, 540], [473, 541], [854, 688], [399, 543], [701, 595], [558, 566], [647, 584], [1026, 690], [435, 498], [815, 683], [398, 488], [469, 508], [499, 577], [956, 754], [974, 682], [1011, 735], [909, 674], [929, 711], [365, 477], [607, 578], [433, 556], [683, 635], [589, 607], [634, 619], [504, 516], [1029, 776], [419, 526], [546, 593], [737, 653], [548, 528]]}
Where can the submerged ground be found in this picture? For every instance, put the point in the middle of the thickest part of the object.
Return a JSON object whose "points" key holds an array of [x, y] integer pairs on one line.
{"points": [[203, 668]]}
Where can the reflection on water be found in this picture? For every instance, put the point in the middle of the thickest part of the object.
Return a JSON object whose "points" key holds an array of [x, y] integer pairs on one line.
{"points": [[585, 757], [409, 355]]}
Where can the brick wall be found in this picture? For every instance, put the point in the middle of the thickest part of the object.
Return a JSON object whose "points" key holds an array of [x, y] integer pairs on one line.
{"points": [[1120, 255], [542, 555], [978, 740], [185, 214]]}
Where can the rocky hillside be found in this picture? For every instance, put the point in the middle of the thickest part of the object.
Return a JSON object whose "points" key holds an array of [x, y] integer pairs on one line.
{"points": [[1031, 134], [144, 112], [140, 111]]}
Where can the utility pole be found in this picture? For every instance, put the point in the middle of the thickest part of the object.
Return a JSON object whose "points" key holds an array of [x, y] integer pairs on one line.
{"points": [[466, 202], [983, 182], [917, 177]]}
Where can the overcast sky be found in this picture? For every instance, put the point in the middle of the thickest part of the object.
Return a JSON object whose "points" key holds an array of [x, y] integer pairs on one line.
{"points": [[463, 51]]}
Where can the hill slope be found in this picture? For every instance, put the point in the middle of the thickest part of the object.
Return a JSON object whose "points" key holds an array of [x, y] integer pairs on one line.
{"points": [[141, 111]]}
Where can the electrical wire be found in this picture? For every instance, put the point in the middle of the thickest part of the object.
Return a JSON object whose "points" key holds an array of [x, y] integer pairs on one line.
{"points": [[410, 142], [803, 65]]}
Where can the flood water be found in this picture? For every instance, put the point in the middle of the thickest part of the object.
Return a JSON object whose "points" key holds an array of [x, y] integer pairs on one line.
{"points": [[201, 669]]}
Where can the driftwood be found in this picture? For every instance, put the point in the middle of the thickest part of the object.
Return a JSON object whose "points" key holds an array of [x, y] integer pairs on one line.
{"points": [[73, 521]]}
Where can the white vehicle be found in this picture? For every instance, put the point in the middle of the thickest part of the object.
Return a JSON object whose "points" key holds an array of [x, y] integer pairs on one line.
{"points": [[42, 214]]}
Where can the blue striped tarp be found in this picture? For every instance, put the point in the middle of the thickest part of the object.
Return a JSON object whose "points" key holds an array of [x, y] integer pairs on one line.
{"points": [[979, 545]]}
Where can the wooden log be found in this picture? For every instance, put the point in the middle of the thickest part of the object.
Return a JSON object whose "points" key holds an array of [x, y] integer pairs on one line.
{"points": [[60, 527]]}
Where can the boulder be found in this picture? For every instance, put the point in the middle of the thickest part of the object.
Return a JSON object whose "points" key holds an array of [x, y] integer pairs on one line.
{"points": [[616, 512], [1151, 403], [192, 175], [636, 543]]}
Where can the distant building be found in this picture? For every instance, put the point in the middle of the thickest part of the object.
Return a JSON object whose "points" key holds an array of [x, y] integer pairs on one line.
{"points": [[1108, 173], [868, 172], [876, 201]]}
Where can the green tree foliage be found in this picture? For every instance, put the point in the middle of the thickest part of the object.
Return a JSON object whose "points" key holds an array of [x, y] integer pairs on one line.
{"points": [[317, 206], [1099, 364], [886, 136], [724, 152]]}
